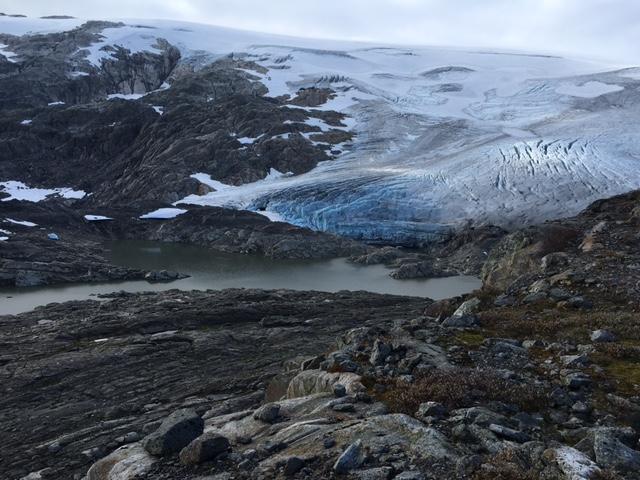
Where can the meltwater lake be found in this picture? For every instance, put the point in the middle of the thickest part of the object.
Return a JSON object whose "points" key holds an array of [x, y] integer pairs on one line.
{"points": [[209, 269]]}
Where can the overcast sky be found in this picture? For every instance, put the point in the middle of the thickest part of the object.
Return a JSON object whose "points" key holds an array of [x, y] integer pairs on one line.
{"points": [[600, 29]]}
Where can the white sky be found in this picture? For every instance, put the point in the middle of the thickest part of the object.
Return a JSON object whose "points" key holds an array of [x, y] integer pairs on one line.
{"points": [[599, 29]]}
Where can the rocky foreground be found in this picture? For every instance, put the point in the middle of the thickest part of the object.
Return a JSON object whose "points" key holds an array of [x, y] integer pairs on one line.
{"points": [[536, 376]]}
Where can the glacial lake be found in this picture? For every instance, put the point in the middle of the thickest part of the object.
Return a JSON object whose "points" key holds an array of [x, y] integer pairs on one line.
{"points": [[209, 269]]}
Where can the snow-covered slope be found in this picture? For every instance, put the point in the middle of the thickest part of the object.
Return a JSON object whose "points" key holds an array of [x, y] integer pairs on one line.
{"points": [[444, 136]]}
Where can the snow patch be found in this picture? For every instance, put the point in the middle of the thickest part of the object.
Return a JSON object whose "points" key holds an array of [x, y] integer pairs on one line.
{"points": [[7, 54], [20, 191], [588, 90], [26, 122], [163, 214], [96, 218], [55, 103], [239, 197], [633, 73], [125, 96], [158, 109], [24, 223], [249, 140], [133, 38], [206, 179]]}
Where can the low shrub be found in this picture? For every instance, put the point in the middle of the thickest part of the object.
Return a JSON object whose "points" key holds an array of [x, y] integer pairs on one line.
{"points": [[459, 388]]}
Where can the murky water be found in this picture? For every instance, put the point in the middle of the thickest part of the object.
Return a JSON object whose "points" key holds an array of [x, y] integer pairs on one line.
{"points": [[214, 270]]}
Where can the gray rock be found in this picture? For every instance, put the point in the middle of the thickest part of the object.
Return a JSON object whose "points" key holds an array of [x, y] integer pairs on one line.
{"points": [[539, 286], [413, 475], [204, 448], [380, 473], [579, 302], [536, 297], [267, 413], [293, 465], [379, 352], [602, 336], [574, 361], [328, 443], [431, 409], [559, 294], [340, 361], [577, 380], [581, 408], [528, 344], [467, 308], [612, 453], [509, 433], [467, 321], [504, 300], [575, 464], [128, 438], [163, 276], [121, 464], [350, 459], [339, 390], [344, 407], [175, 432], [554, 261]]}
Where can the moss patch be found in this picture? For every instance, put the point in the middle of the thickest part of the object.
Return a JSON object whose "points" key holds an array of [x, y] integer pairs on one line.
{"points": [[469, 339], [624, 373]]}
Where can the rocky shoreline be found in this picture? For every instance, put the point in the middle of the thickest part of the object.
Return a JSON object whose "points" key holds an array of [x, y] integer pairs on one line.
{"points": [[534, 376], [30, 258]]}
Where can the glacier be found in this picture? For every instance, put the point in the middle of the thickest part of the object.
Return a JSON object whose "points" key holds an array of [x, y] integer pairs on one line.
{"points": [[444, 137]]}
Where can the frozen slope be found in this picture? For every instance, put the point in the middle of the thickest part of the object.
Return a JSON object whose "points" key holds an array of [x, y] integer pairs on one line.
{"points": [[445, 137]]}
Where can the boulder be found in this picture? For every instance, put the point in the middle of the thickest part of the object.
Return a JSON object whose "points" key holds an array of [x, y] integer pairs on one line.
{"points": [[293, 465], [379, 352], [431, 409], [340, 361], [268, 413], [574, 464], [466, 321], [163, 276], [339, 390], [467, 308], [553, 262], [509, 433], [125, 463], [311, 382], [350, 459], [610, 452], [204, 448], [602, 336], [175, 432]]}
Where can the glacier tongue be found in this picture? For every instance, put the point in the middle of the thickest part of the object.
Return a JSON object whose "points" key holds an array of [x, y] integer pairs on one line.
{"points": [[443, 136]]}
